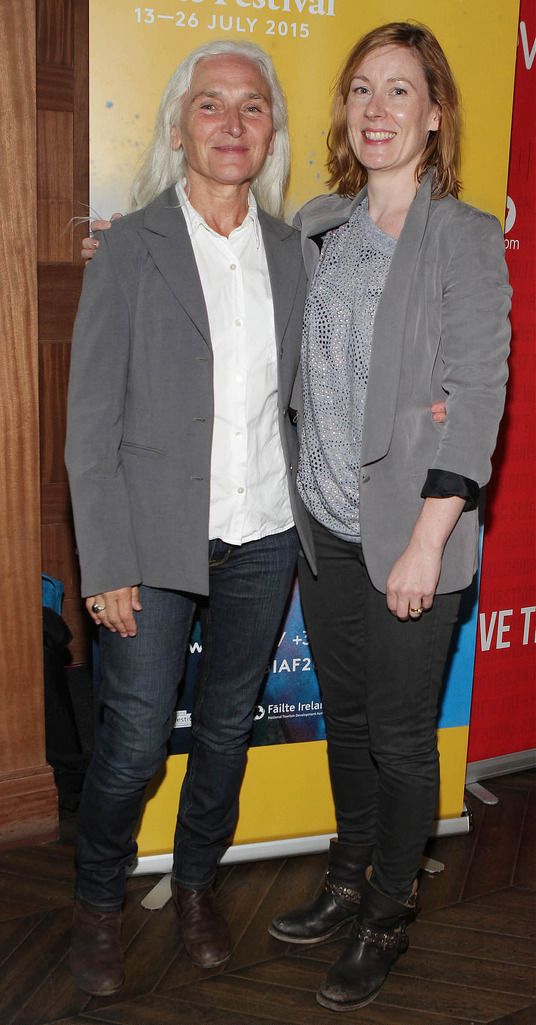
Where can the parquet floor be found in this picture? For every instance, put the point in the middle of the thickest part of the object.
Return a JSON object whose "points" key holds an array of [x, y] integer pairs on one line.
{"points": [[471, 957]]}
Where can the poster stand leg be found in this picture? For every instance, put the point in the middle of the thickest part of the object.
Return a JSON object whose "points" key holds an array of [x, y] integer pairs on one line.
{"points": [[481, 793], [432, 867], [159, 895]]}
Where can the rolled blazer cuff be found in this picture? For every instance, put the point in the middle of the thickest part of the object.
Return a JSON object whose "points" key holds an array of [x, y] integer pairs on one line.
{"points": [[444, 484]]}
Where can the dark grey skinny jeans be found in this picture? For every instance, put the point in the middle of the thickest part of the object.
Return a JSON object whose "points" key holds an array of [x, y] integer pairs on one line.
{"points": [[380, 679]]}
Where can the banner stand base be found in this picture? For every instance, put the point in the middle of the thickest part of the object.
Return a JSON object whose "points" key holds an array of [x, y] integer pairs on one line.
{"points": [[481, 793], [501, 765], [432, 867], [161, 893]]}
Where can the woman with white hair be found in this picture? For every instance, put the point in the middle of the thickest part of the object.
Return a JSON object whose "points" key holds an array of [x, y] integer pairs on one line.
{"points": [[165, 161], [181, 457]]}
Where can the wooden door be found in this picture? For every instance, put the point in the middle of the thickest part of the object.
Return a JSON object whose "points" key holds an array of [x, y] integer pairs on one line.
{"points": [[62, 194], [28, 807]]}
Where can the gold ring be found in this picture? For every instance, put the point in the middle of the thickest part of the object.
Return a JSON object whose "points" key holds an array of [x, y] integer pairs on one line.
{"points": [[416, 612]]}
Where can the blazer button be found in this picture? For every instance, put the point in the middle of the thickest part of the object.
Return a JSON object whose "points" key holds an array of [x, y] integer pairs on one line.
{"points": [[365, 478]]}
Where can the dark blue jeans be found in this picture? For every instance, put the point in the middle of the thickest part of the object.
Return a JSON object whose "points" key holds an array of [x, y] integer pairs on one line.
{"points": [[381, 680], [249, 586]]}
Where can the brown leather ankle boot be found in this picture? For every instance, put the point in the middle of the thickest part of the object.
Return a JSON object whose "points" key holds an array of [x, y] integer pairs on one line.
{"points": [[96, 958], [205, 933]]}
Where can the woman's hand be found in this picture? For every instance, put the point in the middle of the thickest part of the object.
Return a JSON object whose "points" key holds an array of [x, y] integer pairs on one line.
{"points": [[412, 582], [90, 245], [116, 610], [439, 412]]}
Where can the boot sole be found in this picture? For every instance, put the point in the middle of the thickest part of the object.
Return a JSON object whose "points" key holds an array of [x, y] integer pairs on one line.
{"points": [[336, 1005], [104, 991], [212, 964], [309, 942]]}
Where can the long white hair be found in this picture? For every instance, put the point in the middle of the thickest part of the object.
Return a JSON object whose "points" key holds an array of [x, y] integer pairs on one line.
{"points": [[163, 166]]}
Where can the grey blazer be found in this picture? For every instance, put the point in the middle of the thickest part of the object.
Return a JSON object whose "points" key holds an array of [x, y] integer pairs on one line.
{"points": [[140, 406], [441, 331]]}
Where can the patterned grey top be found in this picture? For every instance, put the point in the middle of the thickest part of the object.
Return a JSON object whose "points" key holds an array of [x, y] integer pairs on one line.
{"points": [[337, 339]]}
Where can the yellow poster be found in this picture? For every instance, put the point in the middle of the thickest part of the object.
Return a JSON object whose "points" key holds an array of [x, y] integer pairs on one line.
{"points": [[133, 50]]}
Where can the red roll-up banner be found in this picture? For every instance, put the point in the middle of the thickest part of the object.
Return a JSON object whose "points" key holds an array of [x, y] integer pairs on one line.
{"points": [[503, 718]]}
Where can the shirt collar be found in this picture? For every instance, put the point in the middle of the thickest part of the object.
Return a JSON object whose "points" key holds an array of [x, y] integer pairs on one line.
{"points": [[195, 221]]}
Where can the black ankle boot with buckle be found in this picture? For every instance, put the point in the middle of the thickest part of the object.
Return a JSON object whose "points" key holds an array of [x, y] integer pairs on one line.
{"points": [[337, 904], [378, 939]]}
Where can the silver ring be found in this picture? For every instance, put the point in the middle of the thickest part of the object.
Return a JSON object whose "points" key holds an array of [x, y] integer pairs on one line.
{"points": [[97, 608]]}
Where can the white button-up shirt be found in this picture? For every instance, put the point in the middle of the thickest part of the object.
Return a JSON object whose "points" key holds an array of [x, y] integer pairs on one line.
{"points": [[249, 496]]}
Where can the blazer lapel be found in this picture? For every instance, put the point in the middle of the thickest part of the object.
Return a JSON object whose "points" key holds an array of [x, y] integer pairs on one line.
{"points": [[388, 338], [166, 237], [284, 272]]}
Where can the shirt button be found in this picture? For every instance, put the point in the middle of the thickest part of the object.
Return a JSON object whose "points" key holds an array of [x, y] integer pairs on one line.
{"points": [[232, 266], [239, 378], [238, 322], [240, 491]]}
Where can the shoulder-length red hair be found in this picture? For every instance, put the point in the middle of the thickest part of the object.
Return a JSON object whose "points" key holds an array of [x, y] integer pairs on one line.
{"points": [[442, 153]]}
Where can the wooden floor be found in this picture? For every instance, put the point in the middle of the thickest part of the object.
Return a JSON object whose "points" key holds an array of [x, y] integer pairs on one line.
{"points": [[471, 957]]}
